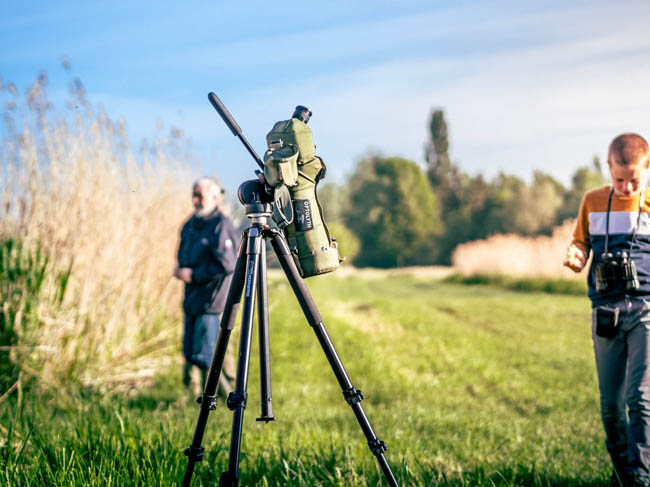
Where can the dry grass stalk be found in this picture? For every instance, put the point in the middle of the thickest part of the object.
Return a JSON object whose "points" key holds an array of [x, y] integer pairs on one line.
{"points": [[75, 187], [515, 255]]}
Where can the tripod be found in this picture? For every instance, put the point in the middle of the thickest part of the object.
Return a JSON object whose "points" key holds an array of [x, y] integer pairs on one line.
{"points": [[250, 278]]}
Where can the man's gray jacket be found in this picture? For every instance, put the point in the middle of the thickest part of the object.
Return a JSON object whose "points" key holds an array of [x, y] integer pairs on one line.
{"points": [[207, 246]]}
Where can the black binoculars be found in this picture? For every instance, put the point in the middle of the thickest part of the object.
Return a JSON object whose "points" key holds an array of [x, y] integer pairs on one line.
{"points": [[615, 270]]}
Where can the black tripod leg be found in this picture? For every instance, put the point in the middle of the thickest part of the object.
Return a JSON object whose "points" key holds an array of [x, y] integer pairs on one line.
{"points": [[208, 400], [352, 395], [237, 398], [265, 347]]}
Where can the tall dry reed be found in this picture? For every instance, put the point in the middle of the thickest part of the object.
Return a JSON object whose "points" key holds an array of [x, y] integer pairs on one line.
{"points": [[515, 255], [73, 185]]}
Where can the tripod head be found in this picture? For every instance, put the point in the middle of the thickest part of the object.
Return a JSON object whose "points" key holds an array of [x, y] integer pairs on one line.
{"points": [[257, 202]]}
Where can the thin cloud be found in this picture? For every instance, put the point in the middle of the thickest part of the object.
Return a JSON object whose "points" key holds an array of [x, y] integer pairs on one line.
{"points": [[524, 87]]}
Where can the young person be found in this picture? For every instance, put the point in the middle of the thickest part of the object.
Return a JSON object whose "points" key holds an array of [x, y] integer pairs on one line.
{"points": [[614, 223]]}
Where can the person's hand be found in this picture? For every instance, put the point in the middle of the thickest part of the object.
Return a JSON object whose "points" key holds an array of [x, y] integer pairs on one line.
{"points": [[183, 273], [575, 259]]}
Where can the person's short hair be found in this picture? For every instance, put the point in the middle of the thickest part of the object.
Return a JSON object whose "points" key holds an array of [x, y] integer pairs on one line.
{"points": [[628, 149], [212, 184]]}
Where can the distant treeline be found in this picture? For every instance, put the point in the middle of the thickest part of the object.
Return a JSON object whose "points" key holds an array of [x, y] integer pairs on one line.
{"points": [[404, 215]]}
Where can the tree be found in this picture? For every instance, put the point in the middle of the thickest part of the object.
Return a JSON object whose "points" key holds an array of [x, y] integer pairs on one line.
{"points": [[466, 207], [348, 243], [393, 211], [545, 200], [437, 151], [502, 211], [445, 177], [584, 179], [332, 199], [473, 208]]}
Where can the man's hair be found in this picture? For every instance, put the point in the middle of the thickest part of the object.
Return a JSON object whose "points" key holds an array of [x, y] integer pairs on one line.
{"points": [[628, 149], [212, 184]]}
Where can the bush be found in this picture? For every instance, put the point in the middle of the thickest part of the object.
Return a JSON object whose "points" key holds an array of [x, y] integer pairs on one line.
{"points": [[516, 255], [21, 278], [523, 284], [393, 211]]}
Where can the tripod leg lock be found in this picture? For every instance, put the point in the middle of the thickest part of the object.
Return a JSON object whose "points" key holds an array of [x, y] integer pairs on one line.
{"points": [[236, 399], [377, 447], [212, 401], [353, 396], [194, 454]]}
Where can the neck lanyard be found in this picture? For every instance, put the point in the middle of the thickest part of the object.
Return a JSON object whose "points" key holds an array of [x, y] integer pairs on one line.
{"points": [[636, 225]]}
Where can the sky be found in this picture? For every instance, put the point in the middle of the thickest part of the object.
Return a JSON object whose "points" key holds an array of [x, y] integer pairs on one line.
{"points": [[524, 86]]}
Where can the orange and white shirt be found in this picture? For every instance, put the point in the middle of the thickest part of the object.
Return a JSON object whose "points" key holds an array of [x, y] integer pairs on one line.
{"points": [[590, 234]]}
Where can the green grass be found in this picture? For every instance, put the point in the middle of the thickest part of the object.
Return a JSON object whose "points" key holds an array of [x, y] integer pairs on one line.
{"points": [[524, 284], [468, 386]]}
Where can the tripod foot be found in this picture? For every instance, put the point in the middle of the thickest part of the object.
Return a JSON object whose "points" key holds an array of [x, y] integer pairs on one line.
{"points": [[265, 418], [228, 479]]}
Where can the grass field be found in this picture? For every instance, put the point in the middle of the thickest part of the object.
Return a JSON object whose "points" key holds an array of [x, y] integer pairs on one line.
{"points": [[468, 385]]}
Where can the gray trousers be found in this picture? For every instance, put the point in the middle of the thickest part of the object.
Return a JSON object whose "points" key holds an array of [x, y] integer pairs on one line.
{"points": [[623, 369], [199, 339]]}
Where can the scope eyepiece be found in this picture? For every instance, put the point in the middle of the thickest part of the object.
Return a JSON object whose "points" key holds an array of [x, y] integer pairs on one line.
{"points": [[302, 113]]}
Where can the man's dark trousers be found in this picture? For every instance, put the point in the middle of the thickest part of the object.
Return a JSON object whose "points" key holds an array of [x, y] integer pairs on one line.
{"points": [[199, 339]]}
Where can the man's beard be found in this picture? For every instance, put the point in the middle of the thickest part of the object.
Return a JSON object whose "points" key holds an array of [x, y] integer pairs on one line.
{"points": [[203, 212]]}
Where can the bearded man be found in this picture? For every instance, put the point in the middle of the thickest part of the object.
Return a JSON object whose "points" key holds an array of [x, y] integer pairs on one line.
{"points": [[206, 261]]}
